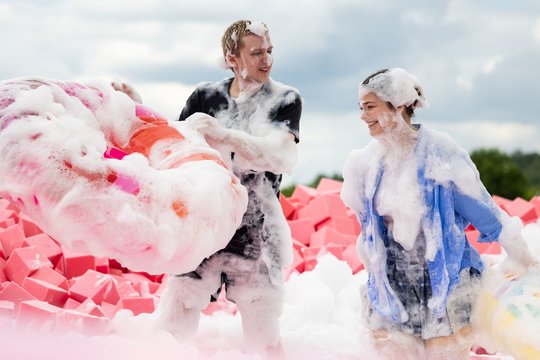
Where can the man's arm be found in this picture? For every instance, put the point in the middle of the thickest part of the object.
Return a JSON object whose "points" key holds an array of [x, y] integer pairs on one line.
{"points": [[275, 152], [191, 107]]}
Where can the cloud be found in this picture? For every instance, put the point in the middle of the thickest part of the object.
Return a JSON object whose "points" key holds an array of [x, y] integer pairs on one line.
{"points": [[476, 60]]}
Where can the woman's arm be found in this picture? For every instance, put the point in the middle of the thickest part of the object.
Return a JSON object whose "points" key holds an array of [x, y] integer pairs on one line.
{"points": [[495, 225]]}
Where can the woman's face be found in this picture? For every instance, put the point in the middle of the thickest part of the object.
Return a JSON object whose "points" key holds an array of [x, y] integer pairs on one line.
{"points": [[254, 61], [376, 113]]}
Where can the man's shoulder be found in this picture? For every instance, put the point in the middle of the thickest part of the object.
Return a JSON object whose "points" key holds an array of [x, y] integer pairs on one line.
{"points": [[282, 89], [217, 87], [283, 95]]}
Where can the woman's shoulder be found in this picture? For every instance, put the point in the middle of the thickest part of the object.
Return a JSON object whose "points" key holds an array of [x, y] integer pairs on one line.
{"points": [[441, 143], [358, 160]]}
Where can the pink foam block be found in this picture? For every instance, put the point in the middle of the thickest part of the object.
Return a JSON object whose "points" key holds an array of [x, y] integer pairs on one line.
{"points": [[91, 308], [76, 321], [501, 202], [297, 244], [2, 252], [152, 277], [287, 206], [14, 293], [522, 208], [44, 291], [24, 262], [35, 314], [11, 239], [298, 261], [46, 245], [7, 309], [126, 289], [322, 207], [141, 284], [71, 304], [329, 186], [326, 236], [137, 305], [2, 274], [28, 225], [8, 216], [301, 229], [342, 224], [482, 248], [146, 288], [304, 194], [96, 286], [222, 304], [6, 204], [536, 202], [357, 226], [351, 257], [336, 250], [109, 309], [7, 223], [75, 264], [51, 276], [102, 265], [310, 255]]}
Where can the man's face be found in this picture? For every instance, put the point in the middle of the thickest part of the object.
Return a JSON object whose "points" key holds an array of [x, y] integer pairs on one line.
{"points": [[254, 61]]}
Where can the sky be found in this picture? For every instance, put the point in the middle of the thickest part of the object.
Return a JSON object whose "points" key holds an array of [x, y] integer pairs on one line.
{"points": [[477, 60]]}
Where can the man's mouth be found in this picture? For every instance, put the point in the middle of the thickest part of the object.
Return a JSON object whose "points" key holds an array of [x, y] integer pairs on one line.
{"points": [[372, 124]]}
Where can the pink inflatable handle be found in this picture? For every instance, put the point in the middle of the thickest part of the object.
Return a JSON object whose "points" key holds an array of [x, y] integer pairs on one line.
{"points": [[127, 184], [114, 153]]}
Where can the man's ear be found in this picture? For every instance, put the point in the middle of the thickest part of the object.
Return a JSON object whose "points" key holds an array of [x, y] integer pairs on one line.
{"points": [[231, 60]]}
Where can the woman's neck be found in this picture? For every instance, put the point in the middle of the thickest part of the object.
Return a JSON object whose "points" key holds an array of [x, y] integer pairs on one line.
{"points": [[401, 141]]}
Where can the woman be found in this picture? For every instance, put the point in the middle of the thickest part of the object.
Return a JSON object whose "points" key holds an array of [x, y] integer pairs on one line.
{"points": [[415, 190]]}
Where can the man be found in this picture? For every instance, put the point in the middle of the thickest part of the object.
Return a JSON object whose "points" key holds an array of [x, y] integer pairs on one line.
{"points": [[254, 122]]}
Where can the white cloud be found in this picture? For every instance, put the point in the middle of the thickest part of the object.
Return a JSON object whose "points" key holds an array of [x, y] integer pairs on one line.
{"points": [[491, 63], [507, 136], [320, 46], [325, 141], [536, 30], [168, 99]]}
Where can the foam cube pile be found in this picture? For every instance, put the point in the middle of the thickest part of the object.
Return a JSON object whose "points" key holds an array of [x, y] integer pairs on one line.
{"points": [[44, 285], [320, 223]]}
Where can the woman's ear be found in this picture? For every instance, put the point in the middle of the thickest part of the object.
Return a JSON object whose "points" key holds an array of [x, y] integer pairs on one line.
{"points": [[402, 110]]}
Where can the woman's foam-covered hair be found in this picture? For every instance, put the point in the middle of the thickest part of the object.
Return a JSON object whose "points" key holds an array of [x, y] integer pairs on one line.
{"points": [[395, 86]]}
